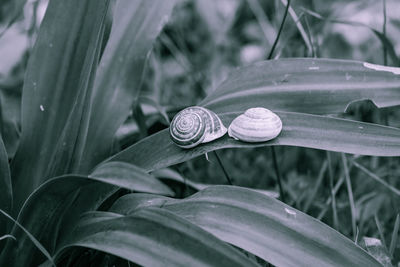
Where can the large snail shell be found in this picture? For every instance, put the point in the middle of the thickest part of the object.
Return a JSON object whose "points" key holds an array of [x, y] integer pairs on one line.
{"points": [[195, 125], [255, 125]]}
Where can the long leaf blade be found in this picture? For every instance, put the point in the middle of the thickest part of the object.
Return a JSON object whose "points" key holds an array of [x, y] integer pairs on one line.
{"points": [[309, 85], [155, 237], [51, 211], [6, 196], [129, 176], [268, 228], [5, 180], [31, 237], [56, 87], [117, 84], [304, 130]]}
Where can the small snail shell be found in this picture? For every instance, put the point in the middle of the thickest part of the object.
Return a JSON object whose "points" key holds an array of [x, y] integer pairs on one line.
{"points": [[195, 125], [255, 125]]}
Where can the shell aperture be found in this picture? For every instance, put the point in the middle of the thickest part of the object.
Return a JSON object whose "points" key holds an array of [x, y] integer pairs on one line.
{"points": [[255, 125]]}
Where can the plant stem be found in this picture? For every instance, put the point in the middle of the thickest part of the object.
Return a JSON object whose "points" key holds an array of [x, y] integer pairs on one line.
{"points": [[278, 174], [350, 194], [333, 202], [228, 178], [280, 31]]}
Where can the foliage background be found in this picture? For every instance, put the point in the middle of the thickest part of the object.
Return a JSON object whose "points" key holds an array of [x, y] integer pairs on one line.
{"points": [[201, 44]]}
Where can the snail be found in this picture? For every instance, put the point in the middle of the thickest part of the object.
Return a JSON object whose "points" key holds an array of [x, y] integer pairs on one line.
{"points": [[195, 125], [255, 125]]}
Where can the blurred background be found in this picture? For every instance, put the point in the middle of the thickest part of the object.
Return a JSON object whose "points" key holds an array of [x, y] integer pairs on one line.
{"points": [[197, 49]]}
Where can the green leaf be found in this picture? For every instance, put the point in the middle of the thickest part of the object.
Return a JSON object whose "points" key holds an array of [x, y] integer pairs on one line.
{"points": [[170, 174], [158, 151], [49, 214], [56, 93], [5, 180], [129, 176], [118, 80], [268, 228], [6, 197], [129, 203], [10, 114], [308, 85], [52, 210], [155, 237], [31, 237]]}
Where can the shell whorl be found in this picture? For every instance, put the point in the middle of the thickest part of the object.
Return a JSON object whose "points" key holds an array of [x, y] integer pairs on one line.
{"points": [[195, 125], [255, 125]]}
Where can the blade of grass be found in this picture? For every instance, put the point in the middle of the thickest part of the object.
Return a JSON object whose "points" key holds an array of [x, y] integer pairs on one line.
{"points": [[7, 236], [5, 181], [280, 31], [307, 40], [377, 178], [273, 153], [278, 174], [228, 178], [56, 92], [382, 38], [136, 24], [262, 20], [310, 37], [6, 195], [380, 231], [31, 237], [329, 200], [316, 186], [395, 234], [384, 33], [333, 193], [350, 194]]}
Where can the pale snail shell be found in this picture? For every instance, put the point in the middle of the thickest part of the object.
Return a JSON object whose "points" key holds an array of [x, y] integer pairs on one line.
{"points": [[195, 125], [255, 125]]}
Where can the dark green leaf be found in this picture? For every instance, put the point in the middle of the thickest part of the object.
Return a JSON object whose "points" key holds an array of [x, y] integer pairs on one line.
{"points": [[5, 185], [56, 93], [155, 237], [31, 237], [129, 203], [51, 211], [309, 85], [5, 180], [268, 228], [118, 80], [304, 130], [129, 176], [10, 115], [170, 174], [49, 214]]}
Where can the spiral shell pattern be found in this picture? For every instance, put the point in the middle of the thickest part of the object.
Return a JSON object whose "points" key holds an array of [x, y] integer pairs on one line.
{"points": [[255, 125], [195, 125]]}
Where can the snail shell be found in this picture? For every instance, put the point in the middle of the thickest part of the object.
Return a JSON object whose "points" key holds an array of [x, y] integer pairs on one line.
{"points": [[195, 125], [255, 125]]}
